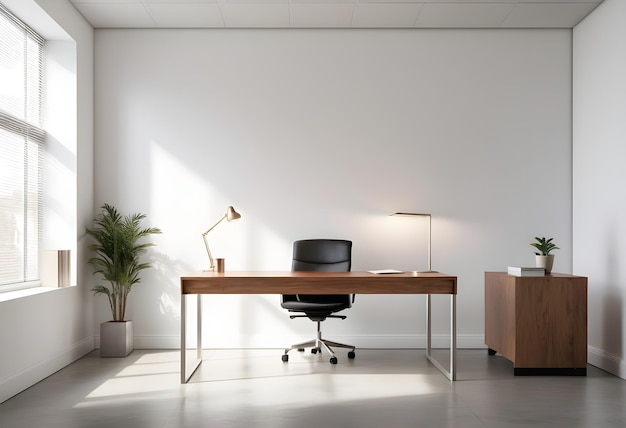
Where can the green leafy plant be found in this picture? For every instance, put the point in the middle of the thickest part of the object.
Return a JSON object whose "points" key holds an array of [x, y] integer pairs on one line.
{"points": [[544, 246], [118, 252]]}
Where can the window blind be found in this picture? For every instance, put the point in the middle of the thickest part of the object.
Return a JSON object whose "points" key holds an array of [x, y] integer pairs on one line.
{"points": [[21, 150]]}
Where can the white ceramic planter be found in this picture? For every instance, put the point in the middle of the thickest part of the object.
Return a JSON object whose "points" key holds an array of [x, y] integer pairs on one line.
{"points": [[545, 262], [116, 339]]}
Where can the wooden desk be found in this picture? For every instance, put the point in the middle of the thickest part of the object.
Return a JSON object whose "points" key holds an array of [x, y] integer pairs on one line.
{"points": [[260, 282]]}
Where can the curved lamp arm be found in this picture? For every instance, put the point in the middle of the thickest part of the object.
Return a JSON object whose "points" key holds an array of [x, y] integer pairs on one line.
{"points": [[231, 215]]}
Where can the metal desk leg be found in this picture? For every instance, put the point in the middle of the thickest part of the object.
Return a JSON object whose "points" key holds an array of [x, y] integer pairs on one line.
{"points": [[184, 375], [183, 337], [451, 374], [452, 337], [429, 332]]}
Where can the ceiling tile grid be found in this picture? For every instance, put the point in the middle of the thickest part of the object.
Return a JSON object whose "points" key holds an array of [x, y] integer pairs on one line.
{"points": [[335, 13]]}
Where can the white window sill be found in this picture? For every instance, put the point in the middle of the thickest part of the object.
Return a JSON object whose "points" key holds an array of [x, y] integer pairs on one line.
{"points": [[17, 294]]}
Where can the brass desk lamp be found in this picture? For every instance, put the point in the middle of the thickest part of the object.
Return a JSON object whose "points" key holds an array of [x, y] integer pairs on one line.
{"points": [[231, 215]]}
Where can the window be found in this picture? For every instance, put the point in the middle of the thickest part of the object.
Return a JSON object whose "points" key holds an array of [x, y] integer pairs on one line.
{"points": [[21, 150]]}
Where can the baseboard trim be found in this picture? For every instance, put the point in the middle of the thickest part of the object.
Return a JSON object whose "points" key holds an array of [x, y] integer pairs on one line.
{"points": [[388, 341], [30, 376], [606, 361]]}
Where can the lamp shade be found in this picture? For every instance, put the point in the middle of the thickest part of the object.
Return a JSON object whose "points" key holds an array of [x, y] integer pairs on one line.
{"points": [[231, 214]]}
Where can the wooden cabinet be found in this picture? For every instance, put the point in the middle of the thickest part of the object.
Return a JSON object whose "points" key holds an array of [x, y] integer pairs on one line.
{"points": [[538, 323]]}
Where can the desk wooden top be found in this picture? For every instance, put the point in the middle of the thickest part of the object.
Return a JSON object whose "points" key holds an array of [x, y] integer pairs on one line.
{"points": [[288, 282]]}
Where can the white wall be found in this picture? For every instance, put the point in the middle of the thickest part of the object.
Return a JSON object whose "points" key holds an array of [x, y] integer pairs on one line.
{"points": [[323, 134], [42, 332], [599, 174]]}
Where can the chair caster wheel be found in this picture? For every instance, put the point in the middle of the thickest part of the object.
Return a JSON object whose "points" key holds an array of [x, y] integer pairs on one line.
{"points": [[351, 355], [333, 360], [314, 351], [285, 358], [300, 349]]}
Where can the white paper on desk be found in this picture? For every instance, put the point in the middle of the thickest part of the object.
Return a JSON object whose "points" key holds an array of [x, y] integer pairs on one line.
{"points": [[385, 271]]}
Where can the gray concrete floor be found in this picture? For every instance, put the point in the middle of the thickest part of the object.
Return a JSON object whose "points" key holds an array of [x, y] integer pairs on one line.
{"points": [[253, 388]]}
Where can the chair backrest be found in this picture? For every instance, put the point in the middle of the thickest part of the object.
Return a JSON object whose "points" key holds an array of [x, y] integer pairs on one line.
{"points": [[327, 255], [322, 255]]}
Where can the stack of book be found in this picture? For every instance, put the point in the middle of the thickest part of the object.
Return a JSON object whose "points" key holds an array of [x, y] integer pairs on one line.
{"points": [[526, 271]]}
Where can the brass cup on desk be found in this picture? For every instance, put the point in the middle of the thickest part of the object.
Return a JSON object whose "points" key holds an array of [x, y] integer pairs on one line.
{"points": [[220, 265]]}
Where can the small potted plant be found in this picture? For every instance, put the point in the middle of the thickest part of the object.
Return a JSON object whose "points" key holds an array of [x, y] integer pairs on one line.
{"points": [[117, 260], [543, 258]]}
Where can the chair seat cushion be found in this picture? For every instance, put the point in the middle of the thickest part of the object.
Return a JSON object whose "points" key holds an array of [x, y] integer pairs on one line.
{"points": [[315, 308]]}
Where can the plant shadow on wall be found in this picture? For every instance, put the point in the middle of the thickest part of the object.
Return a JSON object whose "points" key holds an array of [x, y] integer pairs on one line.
{"points": [[166, 273], [119, 245]]}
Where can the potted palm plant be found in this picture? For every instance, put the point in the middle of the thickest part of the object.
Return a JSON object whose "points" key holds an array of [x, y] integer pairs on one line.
{"points": [[117, 251], [543, 258]]}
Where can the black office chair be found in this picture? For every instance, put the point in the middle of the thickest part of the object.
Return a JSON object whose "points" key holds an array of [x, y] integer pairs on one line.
{"points": [[327, 255]]}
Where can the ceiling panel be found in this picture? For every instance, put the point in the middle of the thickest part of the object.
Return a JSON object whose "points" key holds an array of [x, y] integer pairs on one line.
{"points": [[255, 15], [186, 15], [116, 15], [557, 15], [386, 15], [335, 13], [469, 15], [321, 15]]}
